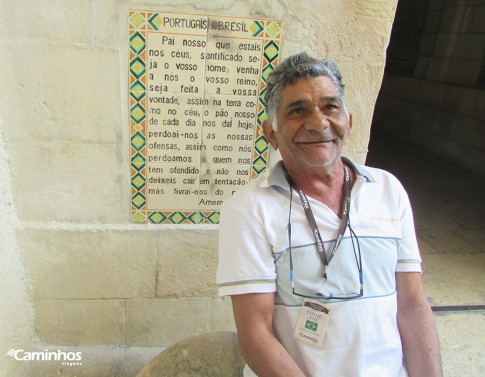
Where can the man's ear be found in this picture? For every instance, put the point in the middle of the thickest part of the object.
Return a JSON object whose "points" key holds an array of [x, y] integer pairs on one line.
{"points": [[269, 133]]}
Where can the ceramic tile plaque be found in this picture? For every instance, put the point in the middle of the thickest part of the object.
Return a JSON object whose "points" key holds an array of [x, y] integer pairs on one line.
{"points": [[196, 107]]}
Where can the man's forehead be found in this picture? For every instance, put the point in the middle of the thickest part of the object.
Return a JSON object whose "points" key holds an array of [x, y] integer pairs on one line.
{"points": [[303, 89]]}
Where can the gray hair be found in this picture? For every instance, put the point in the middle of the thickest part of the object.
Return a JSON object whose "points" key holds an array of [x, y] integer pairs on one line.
{"points": [[293, 68]]}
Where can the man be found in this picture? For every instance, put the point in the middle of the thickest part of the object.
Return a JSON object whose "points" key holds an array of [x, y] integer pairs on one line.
{"points": [[319, 255]]}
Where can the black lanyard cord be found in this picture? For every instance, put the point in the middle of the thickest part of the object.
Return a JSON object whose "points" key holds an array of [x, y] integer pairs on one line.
{"points": [[313, 225], [289, 236]]}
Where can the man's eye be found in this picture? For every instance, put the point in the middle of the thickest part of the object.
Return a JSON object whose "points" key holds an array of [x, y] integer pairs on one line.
{"points": [[296, 111], [333, 109]]}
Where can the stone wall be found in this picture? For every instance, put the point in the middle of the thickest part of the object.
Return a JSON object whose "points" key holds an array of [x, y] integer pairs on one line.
{"points": [[438, 104], [93, 277], [16, 315]]}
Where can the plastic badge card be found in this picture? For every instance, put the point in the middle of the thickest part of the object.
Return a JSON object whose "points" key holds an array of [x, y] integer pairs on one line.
{"points": [[312, 323]]}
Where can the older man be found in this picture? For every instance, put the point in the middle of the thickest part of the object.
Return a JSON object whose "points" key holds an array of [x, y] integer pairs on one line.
{"points": [[319, 255]]}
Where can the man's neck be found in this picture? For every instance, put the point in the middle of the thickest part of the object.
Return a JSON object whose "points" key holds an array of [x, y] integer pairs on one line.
{"points": [[322, 184]]}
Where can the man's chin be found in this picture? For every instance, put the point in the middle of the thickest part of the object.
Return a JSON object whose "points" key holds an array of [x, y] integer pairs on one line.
{"points": [[321, 164]]}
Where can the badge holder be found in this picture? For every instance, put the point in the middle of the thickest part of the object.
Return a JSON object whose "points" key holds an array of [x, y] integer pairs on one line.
{"points": [[312, 323]]}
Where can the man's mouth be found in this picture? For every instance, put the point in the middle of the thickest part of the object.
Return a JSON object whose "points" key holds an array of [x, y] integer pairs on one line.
{"points": [[316, 141]]}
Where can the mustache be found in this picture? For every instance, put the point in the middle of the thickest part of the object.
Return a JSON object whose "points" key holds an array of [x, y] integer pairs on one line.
{"points": [[318, 137]]}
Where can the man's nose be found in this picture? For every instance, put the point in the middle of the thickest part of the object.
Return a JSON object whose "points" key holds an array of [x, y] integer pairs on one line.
{"points": [[317, 121]]}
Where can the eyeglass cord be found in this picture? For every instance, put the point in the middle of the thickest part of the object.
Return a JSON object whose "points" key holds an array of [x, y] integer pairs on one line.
{"points": [[358, 260]]}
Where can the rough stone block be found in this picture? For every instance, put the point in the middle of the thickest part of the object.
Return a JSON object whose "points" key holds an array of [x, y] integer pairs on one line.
{"points": [[187, 263], [470, 132], [413, 112], [444, 45], [460, 100], [106, 32], [213, 354], [442, 123], [479, 109], [80, 322], [47, 184], [431, 93], [466, 46], [456, 19], [427, 44], [478, 26], [464, 71], [162, 322], [437, 68], [473, 160], [48, 21], [89, 265], [68, 92], [433, 18]]}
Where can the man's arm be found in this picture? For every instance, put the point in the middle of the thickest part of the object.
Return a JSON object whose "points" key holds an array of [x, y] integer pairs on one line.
{"points": [[417, 327], [261, 350]]}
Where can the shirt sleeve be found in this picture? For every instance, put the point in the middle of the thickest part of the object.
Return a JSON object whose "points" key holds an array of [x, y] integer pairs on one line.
{"points": [[246, 263], [409, 259]]}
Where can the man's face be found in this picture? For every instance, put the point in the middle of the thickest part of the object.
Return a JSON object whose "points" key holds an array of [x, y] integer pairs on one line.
{"points": [[312, 124]]}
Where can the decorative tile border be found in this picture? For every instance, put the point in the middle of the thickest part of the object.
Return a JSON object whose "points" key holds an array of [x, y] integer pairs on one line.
{"points": [[140, 24]]}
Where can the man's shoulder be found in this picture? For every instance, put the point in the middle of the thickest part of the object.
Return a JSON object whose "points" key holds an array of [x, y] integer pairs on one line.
{"points": [[260, 192], [382, 175], [253, 187], [373, 174]]}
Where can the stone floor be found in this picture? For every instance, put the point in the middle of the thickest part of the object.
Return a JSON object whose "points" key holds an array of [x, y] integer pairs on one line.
{"points": [[448, 205]]}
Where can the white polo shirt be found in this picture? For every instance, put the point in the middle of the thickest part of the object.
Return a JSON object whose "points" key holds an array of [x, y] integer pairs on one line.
{"points": [[362, 338]]}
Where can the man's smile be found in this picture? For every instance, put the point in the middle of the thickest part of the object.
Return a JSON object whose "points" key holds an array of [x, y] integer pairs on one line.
{"points": [[316, 141]]}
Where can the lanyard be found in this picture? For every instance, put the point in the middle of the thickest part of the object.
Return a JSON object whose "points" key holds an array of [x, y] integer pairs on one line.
{"points": [[313, 225]]}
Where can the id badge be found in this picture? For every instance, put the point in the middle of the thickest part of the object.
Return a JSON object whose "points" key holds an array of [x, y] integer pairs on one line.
{"points": [[312, 323]]}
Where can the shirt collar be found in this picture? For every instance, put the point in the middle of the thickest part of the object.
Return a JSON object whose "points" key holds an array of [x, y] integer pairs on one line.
{"points": [[276, 175]]}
